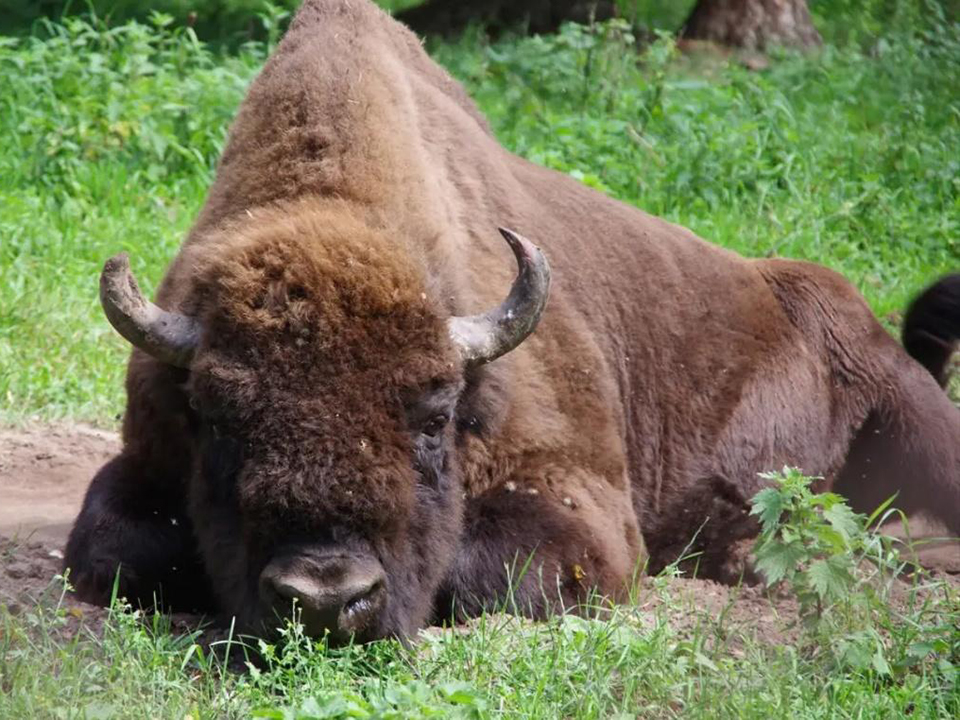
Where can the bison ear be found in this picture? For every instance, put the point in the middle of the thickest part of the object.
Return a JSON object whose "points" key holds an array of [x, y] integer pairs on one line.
{"points": [[169, 337], [482, 338]]}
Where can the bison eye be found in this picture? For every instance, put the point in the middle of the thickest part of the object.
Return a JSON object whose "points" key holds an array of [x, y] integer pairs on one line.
{"points": [[435, 425]]}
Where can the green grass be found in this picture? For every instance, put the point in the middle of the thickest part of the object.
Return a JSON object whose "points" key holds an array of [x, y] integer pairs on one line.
{"points": [[227, 22], [565, 667], [849, 157]]}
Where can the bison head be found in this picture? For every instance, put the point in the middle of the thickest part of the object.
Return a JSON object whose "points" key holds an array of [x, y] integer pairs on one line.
{"points": [[323, 376]]}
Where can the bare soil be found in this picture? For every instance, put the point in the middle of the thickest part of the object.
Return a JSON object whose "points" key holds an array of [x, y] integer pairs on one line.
{"points": [[44, 472]]}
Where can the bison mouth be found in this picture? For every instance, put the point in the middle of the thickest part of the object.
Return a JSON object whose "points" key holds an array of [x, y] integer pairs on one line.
{"points": [[337, 596]]}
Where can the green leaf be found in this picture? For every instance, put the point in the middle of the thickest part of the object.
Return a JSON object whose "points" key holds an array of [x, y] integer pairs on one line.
{"points": [[880, 510], [459, 693], [310, 710], [844, 520], [855, 652], [830, 578], [831, 539], [268, 714], [920, 650], [775, 559], [768, 504], [880, 663], [703, 661]]}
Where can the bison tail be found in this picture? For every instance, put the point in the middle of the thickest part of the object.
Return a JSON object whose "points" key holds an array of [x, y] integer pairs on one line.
{"points": [[931, 327]]}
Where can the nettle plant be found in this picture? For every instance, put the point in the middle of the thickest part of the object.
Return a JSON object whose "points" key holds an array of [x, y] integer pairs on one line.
{"points": [[843, 572], [810, 541]]}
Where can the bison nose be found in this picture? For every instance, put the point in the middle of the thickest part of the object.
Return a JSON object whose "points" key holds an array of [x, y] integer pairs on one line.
{"points": [[338, 595]]}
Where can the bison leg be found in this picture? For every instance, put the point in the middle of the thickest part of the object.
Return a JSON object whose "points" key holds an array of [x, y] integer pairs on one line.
{"points": [[909, 445], [528, 551], [129, 533], [703, 529]]}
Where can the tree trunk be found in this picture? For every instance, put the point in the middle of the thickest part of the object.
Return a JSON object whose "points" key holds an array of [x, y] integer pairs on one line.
{"points": [[752, 24], [446, 17]]}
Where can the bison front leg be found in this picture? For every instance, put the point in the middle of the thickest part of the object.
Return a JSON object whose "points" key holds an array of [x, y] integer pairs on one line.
{"points": [[133, 533], [538, 547]]}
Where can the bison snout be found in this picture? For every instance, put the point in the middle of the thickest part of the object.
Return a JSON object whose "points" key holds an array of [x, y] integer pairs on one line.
{"points": [[339, 595]]}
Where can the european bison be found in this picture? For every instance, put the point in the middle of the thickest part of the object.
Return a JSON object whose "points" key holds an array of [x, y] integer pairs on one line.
{"points": [[314, 416]]}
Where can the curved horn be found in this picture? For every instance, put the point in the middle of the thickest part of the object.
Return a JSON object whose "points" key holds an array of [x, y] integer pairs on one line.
{"points": [[169, 337], [482, 338]]}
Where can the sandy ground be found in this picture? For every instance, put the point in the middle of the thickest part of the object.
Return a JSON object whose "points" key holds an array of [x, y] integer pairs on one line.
{"points": [[44, 472]]}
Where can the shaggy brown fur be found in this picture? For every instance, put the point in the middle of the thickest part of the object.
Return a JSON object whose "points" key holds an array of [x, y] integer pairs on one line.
{"points": [[354, 211]]}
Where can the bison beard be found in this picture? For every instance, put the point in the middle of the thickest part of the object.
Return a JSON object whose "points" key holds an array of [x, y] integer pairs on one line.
{"points": [[332, 406]]}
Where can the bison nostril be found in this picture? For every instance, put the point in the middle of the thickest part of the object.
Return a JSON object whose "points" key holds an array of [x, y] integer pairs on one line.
{"points": [[359, 610], [284, 590], [337, 596]]}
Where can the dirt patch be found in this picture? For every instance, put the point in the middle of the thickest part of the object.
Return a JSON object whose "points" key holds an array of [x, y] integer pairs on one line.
{"points": [[44, 472], [29, 577]]}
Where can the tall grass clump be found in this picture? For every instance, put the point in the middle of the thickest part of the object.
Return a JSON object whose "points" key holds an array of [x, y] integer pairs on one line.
{"points": [[111, 138]]}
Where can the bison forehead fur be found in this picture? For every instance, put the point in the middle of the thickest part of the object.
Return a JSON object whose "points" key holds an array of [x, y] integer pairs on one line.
{"points": [[310, 418], [319, 334]]}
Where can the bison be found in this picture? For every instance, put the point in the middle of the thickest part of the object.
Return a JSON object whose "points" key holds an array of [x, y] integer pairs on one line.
{"points": [[339, 402]]}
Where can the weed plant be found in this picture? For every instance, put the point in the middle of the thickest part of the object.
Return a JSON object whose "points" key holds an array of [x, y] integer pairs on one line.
{"points": [[844, 574]]}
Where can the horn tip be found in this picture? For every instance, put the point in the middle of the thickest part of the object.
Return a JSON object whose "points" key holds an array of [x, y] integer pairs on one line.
{"points": [[521, 246], [512, 237], [117, 264], [119, 291]]}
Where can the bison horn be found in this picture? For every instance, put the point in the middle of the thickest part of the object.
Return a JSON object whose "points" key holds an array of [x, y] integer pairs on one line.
{"points": [[482, 338], [169, 337]]}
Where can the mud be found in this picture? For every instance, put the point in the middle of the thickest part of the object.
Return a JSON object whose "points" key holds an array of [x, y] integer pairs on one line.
{"points": [[44, 472]]}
